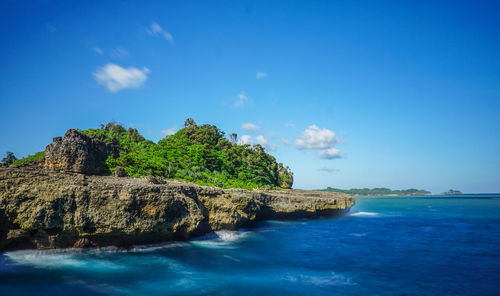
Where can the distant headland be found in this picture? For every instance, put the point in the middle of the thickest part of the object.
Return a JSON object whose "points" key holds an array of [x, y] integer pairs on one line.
{"points": [[378, 191]]}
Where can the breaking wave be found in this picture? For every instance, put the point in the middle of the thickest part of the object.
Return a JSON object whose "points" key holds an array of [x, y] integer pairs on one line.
{"points": [[366, 214]]}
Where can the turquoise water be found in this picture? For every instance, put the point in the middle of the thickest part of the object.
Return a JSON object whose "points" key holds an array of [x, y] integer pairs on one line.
{"points": [[384, 246]]}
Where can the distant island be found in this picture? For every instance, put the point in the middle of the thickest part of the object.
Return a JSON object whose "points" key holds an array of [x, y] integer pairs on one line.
{"points": [[378, 191], [452, 191]]}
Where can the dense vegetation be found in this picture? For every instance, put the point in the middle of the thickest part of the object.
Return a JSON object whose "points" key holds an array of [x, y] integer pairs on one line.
{"points": [[195, 153], [378, 191]]}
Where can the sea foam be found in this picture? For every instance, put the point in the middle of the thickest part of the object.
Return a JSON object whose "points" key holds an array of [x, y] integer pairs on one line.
{"points": [[367, 214]]}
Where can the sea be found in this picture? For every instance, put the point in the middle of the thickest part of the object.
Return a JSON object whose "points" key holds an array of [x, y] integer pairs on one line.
{"points": [[382, 246]]}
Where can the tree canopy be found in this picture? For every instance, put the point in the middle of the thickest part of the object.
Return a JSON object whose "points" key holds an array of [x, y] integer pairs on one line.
{"points": [[196, 153]]}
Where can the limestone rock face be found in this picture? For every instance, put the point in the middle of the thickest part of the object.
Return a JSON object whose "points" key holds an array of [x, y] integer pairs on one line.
{"points": [[42, 208], [78, 153], [285, 178]]}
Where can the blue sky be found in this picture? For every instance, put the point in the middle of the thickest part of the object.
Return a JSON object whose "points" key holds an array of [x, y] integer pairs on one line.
{"points": [[347, 93]]}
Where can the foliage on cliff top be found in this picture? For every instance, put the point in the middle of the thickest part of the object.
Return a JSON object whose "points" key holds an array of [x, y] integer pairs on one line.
{"points": [[36, 156], [199, 154], [11, 159]]}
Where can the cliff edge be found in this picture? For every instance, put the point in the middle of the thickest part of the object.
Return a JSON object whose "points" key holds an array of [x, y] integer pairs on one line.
{"points": [[44, 208], [65, 199]]}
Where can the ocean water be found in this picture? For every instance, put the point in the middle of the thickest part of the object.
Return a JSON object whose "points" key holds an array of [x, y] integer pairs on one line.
{"points": [[384, 246]]}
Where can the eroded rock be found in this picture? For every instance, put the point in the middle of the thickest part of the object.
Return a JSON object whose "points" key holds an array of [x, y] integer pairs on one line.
{"points": [[78, 153], [120, 172]]}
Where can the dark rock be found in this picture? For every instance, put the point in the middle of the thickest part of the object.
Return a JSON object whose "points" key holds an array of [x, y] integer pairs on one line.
{"points": [[78, 153], [120, 172], [155, 180], [84, 243]]}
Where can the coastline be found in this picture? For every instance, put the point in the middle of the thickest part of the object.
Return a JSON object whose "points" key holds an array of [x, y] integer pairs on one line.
{"points": [[46, 209]]}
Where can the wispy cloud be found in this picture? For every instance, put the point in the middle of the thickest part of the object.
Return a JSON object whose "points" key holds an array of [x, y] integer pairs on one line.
{"points": [[157, 30], [170, 131], [285, 141], [289, 124], [264, 142], [241, 101], [330, 153], [328, 170], [261, 75], [249, 126], [119, 53], [98, 51], [116, 78], [245, 140], [50, 28]]}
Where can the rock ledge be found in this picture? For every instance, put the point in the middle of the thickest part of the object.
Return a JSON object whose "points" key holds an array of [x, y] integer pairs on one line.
{"points": [[42, 208]]}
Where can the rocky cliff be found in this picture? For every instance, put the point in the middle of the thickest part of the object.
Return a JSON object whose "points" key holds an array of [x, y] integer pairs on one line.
{"points": [[42, 208], [78, 153]]}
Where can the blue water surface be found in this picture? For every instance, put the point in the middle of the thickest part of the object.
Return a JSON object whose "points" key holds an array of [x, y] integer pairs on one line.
{"points": [[384, 246]]}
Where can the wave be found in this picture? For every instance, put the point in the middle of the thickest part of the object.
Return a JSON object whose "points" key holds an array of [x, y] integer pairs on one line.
{"points": [[222, 239], [367, 214], [63, 259], [229, 236], [357, 234], [331, 279], [156, 247]]}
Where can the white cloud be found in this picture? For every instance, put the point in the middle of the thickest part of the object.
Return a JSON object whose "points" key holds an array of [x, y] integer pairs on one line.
{"points": [[264, 142], [119, 53], [328, 170], [156, 30], [330, 153], [241, 101], [261, 75], [245, 140], [98, 51], [249, 126], [315, 138], [116, 78], [170, 131], [289, 124], [285, 141]]}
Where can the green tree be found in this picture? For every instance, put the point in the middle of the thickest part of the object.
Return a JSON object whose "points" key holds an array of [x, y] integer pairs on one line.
{"points": [[9, 158], [233, 138], [189, 123]]}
